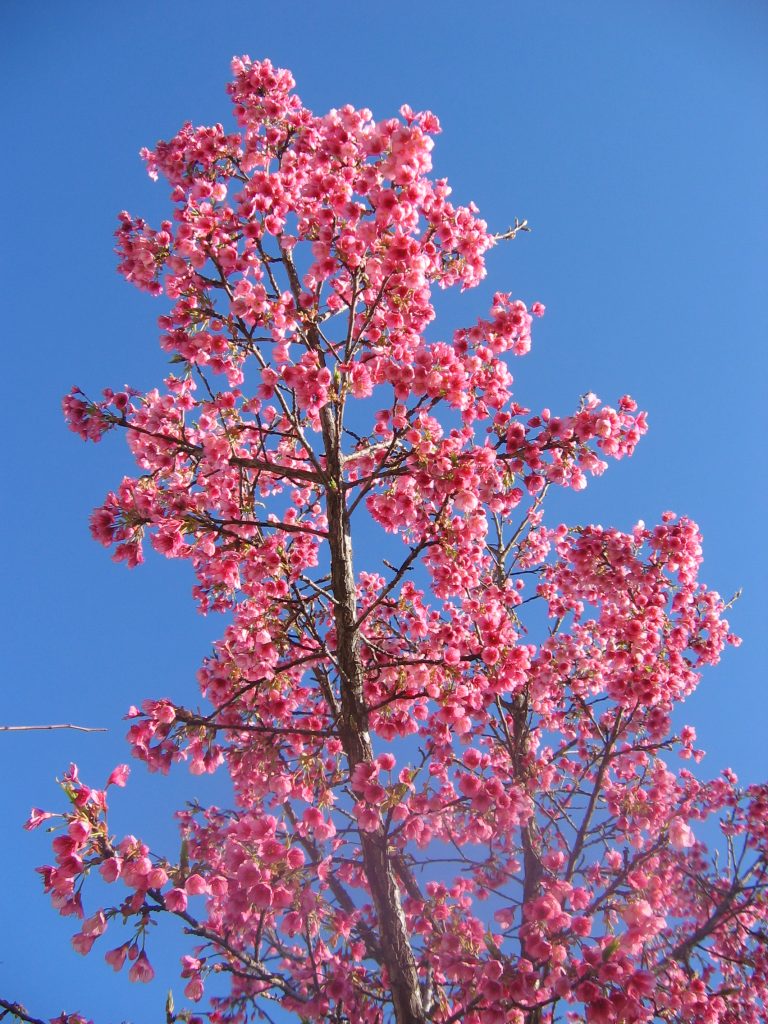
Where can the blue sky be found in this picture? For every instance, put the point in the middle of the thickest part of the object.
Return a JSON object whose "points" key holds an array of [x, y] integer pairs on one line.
{"points": [[632, 138]]}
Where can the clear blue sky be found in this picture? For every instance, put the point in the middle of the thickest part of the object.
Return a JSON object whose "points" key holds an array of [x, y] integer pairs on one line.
{"points": [[631, 135]]}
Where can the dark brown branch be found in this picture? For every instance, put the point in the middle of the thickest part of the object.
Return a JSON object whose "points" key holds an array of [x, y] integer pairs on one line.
{"points": [[404, 567], [273, 730], [269, 525], [397, 953], [594, 796], [19, 1012]]}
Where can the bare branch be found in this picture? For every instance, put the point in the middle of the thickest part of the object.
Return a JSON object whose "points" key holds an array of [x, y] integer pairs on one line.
{"points": [[49, 728]]}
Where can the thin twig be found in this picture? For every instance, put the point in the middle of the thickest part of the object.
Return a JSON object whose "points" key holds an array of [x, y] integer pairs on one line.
{"points": [[40, 728]]}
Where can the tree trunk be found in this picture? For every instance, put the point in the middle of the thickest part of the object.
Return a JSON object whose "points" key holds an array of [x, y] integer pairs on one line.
{"points": [[397, 954]]}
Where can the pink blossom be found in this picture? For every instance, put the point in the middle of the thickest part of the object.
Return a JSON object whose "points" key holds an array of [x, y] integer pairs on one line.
{"points": [[194, 990], [195, 885], [176, 900], [680, 834], [118, 776], [36, 818], [116, 957], [141, 969], [261, 895], [110, 869], [83, 943]]}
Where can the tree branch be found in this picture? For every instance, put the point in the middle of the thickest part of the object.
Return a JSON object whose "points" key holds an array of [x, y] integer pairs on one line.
{"points": [[49, 728]]}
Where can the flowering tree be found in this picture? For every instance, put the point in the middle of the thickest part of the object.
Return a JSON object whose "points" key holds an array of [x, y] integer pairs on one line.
{"points": [[433, 817]]}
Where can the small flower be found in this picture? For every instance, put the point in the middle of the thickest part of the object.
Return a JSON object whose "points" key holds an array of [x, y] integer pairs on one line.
{"points": [[116, 957], [119, 776], [196, 885], [142, 970], [680, 834], [176, 900], [36, 818]]}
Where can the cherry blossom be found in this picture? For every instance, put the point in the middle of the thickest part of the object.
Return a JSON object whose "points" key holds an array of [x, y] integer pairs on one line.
{"points": [[456, 782]]}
